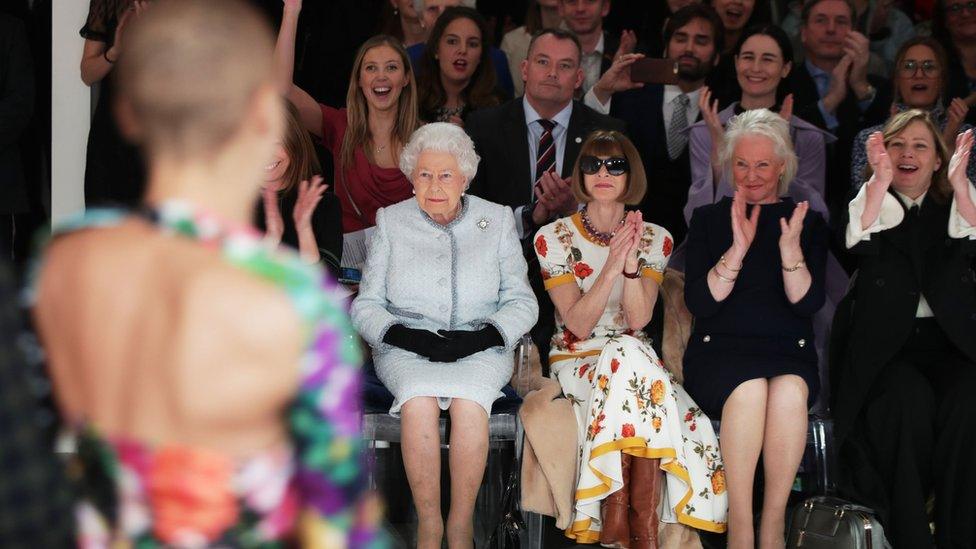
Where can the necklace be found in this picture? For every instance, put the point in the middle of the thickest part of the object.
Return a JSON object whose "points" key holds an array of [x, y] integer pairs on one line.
{"points": [[601, 237]]}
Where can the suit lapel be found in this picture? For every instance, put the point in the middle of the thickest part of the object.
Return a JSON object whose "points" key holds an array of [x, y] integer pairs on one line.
{"points": [[515, 139], [579, 127]]}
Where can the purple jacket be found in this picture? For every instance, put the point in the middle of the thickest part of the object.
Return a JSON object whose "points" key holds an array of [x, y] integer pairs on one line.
{"points": [[809, 143]]}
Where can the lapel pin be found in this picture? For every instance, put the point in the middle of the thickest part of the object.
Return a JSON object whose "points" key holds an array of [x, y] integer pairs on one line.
{"points": [[579, 139]]}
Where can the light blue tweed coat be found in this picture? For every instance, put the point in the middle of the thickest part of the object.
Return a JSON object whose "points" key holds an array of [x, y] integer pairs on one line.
{"points": [[459, 276]]}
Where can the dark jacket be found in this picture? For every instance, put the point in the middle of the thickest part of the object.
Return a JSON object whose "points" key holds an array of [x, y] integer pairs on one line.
{"points": [[851, 120], [876, 317], [502, 141], [16, 108], [667, 180]]}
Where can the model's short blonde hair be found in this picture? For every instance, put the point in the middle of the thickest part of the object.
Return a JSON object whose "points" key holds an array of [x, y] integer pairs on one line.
{"points": [[611, 143], [189, 72], [765, 123]]}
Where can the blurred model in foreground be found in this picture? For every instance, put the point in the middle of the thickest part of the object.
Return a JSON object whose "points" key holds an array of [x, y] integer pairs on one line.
{"points": [[211, 382]]}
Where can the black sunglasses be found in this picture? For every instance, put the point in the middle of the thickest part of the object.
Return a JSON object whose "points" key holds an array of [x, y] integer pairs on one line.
{"points": [[956, 8], [615, 165]]}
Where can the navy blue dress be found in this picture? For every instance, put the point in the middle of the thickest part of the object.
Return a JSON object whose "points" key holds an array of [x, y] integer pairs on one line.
{"points": [[755, 332]]}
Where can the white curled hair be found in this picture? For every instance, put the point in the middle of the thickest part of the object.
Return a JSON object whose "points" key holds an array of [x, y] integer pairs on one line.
{"points": [[770, 125], [441, 137]]}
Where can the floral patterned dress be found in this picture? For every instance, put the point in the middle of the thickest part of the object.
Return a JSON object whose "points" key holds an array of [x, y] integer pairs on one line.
{"points": [[624, 398], [310, 493]]}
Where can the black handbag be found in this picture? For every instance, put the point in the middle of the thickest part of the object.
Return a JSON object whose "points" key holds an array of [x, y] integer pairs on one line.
{"points": [[825, 522], [511, 525]]}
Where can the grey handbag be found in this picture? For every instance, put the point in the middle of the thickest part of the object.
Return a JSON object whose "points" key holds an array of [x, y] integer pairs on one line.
{"points": [[824, 522]]}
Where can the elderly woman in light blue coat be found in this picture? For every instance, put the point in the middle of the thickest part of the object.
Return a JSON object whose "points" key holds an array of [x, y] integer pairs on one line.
{"points": [[443, 301]]}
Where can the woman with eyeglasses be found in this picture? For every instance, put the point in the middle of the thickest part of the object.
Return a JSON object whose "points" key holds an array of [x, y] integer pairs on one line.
{"points": [[755, 277], [641, 437], [920, 82]]}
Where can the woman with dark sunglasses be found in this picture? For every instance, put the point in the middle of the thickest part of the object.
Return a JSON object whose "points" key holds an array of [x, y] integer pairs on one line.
{"points": [[919, 79], [641, 437]]}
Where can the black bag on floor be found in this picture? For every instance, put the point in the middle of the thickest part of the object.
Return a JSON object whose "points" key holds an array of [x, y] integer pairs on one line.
{"points": [[825, 522], [511, 525]]}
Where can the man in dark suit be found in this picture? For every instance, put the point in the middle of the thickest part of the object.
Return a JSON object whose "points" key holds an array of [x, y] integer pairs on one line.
{"points": [[832, 89], [527, 141], [658, 115], [16, 107]]}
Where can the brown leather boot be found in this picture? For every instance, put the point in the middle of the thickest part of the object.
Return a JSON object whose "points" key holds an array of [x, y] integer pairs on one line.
{"points": [[645, 494], [615, 531]]}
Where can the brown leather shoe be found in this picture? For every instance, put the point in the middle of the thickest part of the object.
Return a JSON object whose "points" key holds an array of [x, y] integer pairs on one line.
{"points": [[615, 531], [645, 494]]}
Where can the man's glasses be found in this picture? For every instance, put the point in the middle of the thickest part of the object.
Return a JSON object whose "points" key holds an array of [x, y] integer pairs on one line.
{"points": [[929, 68], [615, 165], [955, 9]]}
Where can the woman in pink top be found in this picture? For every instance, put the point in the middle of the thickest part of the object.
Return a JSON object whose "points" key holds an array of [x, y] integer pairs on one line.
{"points": [[366, 137]]}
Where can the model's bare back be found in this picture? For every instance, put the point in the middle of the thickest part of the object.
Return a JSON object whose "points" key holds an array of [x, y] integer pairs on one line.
{"points": [[158, 338]]}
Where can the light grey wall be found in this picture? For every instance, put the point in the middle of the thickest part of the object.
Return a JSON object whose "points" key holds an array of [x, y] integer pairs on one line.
{"points": [[70, 110]]}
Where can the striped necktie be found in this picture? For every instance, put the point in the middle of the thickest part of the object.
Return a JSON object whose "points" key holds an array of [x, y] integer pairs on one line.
{"points": [[545, 159], [677, 136]]}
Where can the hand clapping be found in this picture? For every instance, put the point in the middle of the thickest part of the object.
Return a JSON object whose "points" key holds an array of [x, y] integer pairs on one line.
{"points": [[881, 169], [789, 240], [624, 245], [743, 227], [959, 162]]}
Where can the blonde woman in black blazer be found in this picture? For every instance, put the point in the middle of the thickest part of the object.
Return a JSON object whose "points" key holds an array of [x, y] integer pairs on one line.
{"points": [[904, 347]]}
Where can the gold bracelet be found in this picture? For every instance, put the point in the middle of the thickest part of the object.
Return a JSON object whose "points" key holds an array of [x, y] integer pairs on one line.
{"points": [[796, 267], [722, 278], [726, 265]]}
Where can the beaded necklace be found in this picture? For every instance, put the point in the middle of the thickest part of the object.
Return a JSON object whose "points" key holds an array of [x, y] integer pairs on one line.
{"points": [[601, 237]]}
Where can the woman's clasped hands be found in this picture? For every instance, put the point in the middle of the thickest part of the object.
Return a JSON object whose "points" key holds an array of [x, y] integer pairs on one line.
{"points": [[624, 245]]}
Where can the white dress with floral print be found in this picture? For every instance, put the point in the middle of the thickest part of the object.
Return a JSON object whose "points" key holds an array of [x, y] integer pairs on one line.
{"points": [[624, 398]]}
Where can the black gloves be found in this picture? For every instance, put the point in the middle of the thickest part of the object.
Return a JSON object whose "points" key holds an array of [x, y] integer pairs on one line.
{"points": [[458, 344], [449, 346], [413, 340]]}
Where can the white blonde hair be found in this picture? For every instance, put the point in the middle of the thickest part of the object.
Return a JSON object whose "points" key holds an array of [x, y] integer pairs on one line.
{"points": [[441, 137], [765, 123]]}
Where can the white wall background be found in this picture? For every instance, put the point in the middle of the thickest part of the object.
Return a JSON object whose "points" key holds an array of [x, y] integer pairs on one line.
{"points": [[70, 110]]}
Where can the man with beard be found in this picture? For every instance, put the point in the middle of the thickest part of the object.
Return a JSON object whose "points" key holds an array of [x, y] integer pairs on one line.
{"points": [[658, 115]]}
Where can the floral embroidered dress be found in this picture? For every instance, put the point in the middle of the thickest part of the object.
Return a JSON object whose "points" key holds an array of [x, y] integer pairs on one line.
{"points": [[625, 401], [311, 493]]}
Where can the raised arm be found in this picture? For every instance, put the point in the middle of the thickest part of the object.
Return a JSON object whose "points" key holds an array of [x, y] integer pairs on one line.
{"points": [[98, 59], [309, 112]]}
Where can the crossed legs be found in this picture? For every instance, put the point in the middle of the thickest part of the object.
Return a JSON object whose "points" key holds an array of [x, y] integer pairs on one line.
{"points": [[422, 461], [759, 415]]}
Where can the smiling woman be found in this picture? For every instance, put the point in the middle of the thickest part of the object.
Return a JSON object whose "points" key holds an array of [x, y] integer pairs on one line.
{"points": [[456, 72]]}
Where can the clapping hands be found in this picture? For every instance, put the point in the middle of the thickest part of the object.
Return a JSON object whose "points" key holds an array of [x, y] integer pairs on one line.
{"points": [[743, 226], [959, 162], [624, 245], [789, 240]]}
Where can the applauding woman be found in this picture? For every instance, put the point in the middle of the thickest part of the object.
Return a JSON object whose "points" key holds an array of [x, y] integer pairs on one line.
{"points": [[904, 378], [295, 209], [755, 277], [602, 267], [367, 136]]}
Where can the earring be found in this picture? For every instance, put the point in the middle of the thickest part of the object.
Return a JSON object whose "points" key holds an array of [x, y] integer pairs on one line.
{"points": [[413, 191]]}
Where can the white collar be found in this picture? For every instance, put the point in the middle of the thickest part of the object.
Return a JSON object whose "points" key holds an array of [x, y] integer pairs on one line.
{"points": [[908, 202], [671, 92], [561, 119]]}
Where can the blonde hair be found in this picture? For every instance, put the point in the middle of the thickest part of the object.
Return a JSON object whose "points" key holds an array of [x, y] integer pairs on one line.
{"points": [[189, 72], [939, 188], [765, 123], [611, 143], [357, 110], [303, 163]]}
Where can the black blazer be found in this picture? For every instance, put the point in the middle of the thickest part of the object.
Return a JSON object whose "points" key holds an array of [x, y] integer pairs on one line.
{"points": [[667, 180], [501, 139], [16, 107], [850, 119], [875, 319]]}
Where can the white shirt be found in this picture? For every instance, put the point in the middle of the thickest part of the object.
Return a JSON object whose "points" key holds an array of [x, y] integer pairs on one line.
{"points": [[535, 130], [671, 92], [591, 63]]}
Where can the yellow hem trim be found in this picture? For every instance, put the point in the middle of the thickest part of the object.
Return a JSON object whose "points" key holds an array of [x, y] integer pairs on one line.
{"points": [[564, 278], [573, 356], [648, 272], [637, 446]]}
